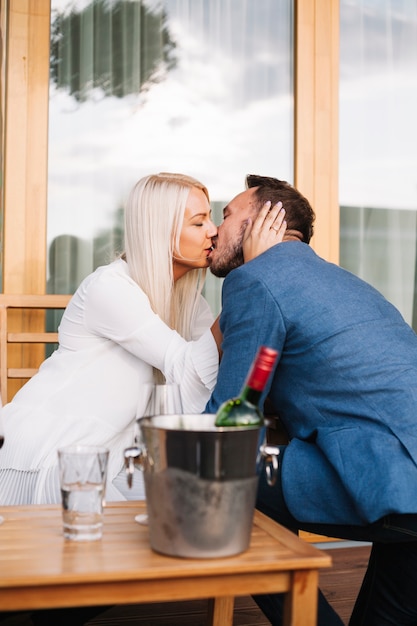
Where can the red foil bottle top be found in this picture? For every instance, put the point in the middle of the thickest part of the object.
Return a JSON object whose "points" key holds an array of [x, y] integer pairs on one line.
{"points": [[261, 368]]}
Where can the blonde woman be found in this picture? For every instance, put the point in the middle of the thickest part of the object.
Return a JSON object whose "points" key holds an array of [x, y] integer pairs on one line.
{"points": [[139, 317]]}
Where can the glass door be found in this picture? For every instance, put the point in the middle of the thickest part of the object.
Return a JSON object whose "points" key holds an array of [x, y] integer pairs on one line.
{"points": [[203, 87], [378, 147]]}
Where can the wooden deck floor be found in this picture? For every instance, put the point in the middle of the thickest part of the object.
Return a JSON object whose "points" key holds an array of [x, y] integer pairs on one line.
{"points": [[340, 584]]}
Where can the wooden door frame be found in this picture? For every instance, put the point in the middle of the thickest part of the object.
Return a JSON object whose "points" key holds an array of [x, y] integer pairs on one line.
{"points": [[26, 132], [316, 120], [26, 145], [25, 100]]}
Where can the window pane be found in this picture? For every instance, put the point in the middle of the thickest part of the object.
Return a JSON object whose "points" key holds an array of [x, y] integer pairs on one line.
{"points": [[378, 146], [203, 87]]}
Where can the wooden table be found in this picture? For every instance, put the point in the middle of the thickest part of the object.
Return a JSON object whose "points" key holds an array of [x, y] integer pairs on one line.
{"points": [[40, 569]]}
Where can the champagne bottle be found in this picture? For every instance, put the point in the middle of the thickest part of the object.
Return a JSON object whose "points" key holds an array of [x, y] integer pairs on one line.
{"points": [[244, 410]]}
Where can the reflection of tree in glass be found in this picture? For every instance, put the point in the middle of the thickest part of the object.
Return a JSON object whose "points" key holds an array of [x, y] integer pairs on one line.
{"points": [[68, 259], [70, 262], [119, 46]]}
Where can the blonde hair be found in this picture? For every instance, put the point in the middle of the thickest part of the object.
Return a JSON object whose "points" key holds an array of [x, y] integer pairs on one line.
{"points": [[154, 215]]}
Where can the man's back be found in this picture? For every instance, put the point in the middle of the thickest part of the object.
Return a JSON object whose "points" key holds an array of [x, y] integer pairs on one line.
{"points": [[345, 386]]}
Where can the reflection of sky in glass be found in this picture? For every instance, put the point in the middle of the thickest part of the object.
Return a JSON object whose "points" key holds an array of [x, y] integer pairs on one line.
{"points": [[378, 103], [378, 146], [224, 111]]}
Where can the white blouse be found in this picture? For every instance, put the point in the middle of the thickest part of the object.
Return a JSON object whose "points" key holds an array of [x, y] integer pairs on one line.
{"points": [[91, 389]]}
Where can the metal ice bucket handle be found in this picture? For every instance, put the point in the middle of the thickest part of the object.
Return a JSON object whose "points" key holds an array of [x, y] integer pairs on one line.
{"points": [[269, 455], [136, 456], [133, 457]]}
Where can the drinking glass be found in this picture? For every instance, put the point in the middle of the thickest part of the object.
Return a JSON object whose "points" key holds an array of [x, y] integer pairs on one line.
{"points": [[164, 399], [83, 473]]}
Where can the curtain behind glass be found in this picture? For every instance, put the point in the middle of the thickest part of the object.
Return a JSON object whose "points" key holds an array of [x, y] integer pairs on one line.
{"points": [[202, 87], [378, 146]]}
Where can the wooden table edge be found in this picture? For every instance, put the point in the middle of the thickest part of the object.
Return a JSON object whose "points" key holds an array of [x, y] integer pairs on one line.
{"points": [[222, 589]]}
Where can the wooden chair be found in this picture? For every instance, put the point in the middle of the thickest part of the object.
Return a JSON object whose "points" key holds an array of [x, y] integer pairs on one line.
{"points": [[22, 325]]}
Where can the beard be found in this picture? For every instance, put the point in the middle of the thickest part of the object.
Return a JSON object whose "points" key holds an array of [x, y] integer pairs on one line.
{"points": [[230, 259]]}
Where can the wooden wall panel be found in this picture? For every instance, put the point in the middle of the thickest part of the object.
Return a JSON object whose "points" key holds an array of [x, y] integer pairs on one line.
{"points": [[26, 145], [25, 164], [316, 149]]}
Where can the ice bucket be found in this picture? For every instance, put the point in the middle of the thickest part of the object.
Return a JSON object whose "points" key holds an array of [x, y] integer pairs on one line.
{"points": [[200, 484]]}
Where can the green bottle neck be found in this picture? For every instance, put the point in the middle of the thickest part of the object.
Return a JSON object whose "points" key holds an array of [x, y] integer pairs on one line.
{"points": [[251, 395]]}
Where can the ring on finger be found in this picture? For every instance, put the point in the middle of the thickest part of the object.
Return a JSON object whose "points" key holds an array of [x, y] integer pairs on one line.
{"points": [[275, 229]]}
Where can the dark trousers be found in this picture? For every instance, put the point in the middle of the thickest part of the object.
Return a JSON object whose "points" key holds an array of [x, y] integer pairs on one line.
{"points": [[388, 596]]}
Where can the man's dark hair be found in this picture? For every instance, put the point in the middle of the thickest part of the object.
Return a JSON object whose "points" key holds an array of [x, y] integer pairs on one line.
{"points": [[298, 211]]}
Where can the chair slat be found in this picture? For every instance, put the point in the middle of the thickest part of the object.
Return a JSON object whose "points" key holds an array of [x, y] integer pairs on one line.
{"points": [[11, 338], [32, 337], [21, 372]]}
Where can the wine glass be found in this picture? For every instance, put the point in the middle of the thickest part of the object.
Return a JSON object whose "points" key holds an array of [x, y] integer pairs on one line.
{"points": [[164, 399]]}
